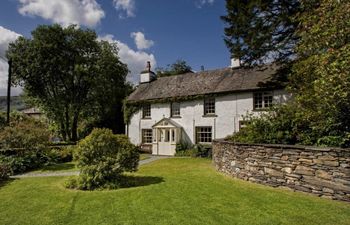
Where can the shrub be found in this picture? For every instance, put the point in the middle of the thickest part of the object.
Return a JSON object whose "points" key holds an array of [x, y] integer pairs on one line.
{"points": [[24, 132], [24, 144], [287, 124], [188, 150], [102, 158]]}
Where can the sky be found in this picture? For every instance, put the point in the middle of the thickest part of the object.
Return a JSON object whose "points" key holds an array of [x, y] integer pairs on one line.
{"points": [[160, 31]]}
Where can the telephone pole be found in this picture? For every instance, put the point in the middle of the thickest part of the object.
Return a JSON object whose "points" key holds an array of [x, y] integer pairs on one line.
{"points": [[9, 92]]}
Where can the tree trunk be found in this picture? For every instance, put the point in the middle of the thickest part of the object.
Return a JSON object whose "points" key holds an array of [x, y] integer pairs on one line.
{"points": [[75, 127]]}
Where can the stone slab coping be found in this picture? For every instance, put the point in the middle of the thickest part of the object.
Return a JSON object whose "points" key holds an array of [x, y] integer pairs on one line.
{"points": [[281, 146]]}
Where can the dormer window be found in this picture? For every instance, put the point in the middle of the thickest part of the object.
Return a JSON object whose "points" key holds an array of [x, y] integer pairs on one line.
{"points": [[209, 106], [146, 111]]}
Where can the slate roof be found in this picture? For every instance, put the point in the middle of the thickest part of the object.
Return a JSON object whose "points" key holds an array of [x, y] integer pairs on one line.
{"points": [[206, 82]]}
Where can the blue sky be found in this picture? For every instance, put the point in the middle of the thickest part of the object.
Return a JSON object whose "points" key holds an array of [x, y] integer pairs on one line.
{"points": [[161, 31]]}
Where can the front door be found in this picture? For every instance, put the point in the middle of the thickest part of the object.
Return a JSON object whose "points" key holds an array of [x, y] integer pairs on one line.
{"points": [[164, 142]]}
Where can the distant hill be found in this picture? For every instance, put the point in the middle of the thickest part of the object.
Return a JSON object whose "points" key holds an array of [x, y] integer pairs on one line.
{"points": [[16, 103]]}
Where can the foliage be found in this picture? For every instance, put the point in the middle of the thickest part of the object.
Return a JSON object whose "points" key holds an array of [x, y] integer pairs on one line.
{"points": [[74, 67], [321, 77], [178, 67], [260, 31], [108, 95], [198, 150], [102, 158], [319, 82], [24, 132], [280, 125]]}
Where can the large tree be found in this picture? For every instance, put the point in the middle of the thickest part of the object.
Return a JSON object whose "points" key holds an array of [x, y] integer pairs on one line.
{"points": [[321, 75], [62, 70], [261, 31]]}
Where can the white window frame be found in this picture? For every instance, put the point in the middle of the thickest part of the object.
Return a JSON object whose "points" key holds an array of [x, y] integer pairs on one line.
{"points": [[262, 100], [147, 136], [209, 106], [207, 131]]}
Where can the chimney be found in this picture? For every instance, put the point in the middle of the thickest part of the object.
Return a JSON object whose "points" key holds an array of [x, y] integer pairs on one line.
{"points": [[235, 63], [148, 66], [147, 75]]}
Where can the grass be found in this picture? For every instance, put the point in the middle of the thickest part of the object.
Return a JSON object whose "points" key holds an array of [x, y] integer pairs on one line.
{"points": [[169, 191]]}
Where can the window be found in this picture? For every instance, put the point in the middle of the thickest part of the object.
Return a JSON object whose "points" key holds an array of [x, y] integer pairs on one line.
{"points": [[209, 106], [146, 111], [175, 109], [263, 100], [203, 135], [146, 136]]}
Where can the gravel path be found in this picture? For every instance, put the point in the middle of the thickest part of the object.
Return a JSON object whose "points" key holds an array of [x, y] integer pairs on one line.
{"points": [[73, 173]]}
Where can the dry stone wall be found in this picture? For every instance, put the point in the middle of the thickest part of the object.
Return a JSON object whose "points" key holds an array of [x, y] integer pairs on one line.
{"points": [[321, 171]]}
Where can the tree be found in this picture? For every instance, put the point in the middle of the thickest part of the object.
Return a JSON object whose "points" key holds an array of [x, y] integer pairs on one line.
{"points": [[108, 95], [321, 76], [179, 67], [62, 70], [261, 31], [319, 81]]}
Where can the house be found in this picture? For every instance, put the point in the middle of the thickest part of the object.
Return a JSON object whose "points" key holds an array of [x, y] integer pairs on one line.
{"points": [[198, 107]]}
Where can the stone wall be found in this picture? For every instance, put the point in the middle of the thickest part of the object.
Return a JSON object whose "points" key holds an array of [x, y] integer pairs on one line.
{"points": [[321, 171]]}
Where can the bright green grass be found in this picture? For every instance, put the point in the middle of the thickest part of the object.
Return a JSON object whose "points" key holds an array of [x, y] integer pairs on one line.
{"points": [[174, 191]]}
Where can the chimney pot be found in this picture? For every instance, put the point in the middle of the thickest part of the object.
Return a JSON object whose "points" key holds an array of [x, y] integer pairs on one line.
{"points": [[148, 66]]}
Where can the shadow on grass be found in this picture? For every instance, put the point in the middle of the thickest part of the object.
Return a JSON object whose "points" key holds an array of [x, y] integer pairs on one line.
{"points": [[3, 183], [57, 167], [139, 181]]}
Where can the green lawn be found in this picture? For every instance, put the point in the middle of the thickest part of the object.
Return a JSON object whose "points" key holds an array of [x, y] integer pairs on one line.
{"points": [[170, 191]]}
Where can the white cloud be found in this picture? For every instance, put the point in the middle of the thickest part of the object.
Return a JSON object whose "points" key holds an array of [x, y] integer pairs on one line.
{"points": [[6, 37], [125, 5], [136, 60], [140, 40], [64, 12], [201, 3]]}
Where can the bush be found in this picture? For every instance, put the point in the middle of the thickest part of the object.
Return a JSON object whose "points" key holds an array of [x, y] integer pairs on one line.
{"points": [[287, 124], [102, 158], [24, 132], [24, 144], [198, 150]]}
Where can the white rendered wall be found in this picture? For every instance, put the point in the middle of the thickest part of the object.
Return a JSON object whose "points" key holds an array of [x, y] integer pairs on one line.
{"points": [[229, 109]]}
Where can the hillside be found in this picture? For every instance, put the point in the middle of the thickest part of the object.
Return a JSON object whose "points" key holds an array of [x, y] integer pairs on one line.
{"points": [[16, 103]]}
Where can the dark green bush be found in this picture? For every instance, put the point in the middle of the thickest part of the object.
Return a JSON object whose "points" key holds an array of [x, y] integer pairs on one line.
{"points": [[197, 150], [287, 125], [102, 158], [24, 143]]}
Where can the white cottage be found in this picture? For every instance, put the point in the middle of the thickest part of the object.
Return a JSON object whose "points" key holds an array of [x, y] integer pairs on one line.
{"points": [[198, 107]]}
